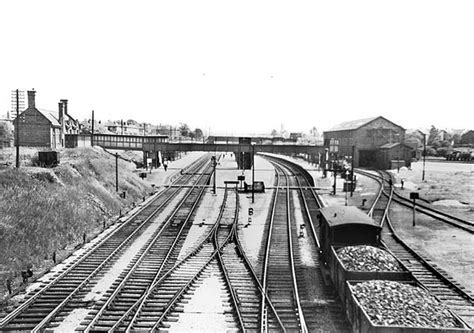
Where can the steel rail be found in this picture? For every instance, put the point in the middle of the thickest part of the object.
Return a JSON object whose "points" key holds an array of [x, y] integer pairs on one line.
{"points": [[221, 260], [304, 329], [263, 310], [8, 318], [414, 253], [430, 211], [215, 254], [12, 315], [58, 308], [299, 312], [430, 267], [158, 282], [146, 251]]}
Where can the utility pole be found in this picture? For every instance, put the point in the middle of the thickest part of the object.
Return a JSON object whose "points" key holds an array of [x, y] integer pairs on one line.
{"points": [[424, 157], [352, 170], [17, 132], [116, 171], [92, 135]]}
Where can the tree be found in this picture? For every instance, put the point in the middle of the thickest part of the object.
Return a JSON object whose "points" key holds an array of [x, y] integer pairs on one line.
{"points": [[274, 132], [198, 133], [456, 138], [5, 134], [184, 129], [314, 131], [442, 151], [433, 136]]}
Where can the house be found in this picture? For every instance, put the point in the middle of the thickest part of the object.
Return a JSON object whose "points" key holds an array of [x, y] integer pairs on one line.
{"points": [[366, 140], [43, 128], [468, 138]]}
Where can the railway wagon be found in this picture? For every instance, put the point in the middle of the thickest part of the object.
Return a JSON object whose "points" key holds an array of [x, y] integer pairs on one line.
{"points": [[344, 226]]}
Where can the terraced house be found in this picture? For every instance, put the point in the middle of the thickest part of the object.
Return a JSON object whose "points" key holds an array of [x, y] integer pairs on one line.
{"points": [[37, 127]]}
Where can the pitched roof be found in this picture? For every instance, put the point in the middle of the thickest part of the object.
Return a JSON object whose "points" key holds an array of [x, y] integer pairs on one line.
{"points": [[413, 130], [355, 124], [50, 115], [352, 124], [393, 145]]}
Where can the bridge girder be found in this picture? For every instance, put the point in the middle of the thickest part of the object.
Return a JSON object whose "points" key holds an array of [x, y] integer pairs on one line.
{"points": [[223, 147]]}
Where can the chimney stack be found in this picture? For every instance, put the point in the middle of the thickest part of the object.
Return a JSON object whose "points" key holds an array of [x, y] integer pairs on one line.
{"points": [[31, 99], [62, 109], [61, 112], [64, 101]]}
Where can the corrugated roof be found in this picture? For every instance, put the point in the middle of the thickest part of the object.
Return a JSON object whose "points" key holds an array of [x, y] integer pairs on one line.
{"points": [[353, 124], [51, 116]]}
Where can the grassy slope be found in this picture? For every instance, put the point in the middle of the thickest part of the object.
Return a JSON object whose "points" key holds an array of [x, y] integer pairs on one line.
{"points": [[46, 210]]}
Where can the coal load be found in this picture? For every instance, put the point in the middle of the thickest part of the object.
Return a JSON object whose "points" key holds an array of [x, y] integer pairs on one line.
{"points": [[363, 258], [392, 303]]}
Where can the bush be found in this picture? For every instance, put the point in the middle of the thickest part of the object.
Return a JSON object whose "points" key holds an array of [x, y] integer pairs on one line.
{"points": [[442, 151], [42, 210]]}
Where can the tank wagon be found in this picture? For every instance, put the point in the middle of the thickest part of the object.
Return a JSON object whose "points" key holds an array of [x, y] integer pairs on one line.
{"points": [[348, 228]]}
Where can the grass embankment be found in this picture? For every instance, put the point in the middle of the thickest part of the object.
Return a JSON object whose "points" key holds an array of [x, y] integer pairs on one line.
{"points": [[48, 210]]}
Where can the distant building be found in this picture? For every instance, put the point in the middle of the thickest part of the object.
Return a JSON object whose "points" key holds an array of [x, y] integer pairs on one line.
{"points": [[376, 141], [295, 136], [44, 128], [468, 138], [6, 133]]}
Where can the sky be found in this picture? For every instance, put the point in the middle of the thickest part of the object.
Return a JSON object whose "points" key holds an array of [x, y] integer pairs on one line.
{"points": [[241, 67]]}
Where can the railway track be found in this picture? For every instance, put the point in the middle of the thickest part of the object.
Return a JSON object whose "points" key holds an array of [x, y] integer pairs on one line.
{"points": [[299, 290], [434, 279], [219, 254], [68, 288], [419, 207]]}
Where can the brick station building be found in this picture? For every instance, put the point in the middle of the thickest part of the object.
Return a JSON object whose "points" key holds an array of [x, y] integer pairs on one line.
{"points": [[377, 142], [43, 128]]}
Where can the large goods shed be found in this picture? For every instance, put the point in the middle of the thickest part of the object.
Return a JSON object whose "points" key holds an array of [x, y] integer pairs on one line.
{"points": [[376, 142]]}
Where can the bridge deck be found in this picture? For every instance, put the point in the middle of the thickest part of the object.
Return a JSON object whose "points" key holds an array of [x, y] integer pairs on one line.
{"points": [[234, 147]]}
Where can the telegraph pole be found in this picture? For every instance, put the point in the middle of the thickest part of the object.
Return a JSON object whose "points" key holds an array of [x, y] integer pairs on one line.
{"points": [[424, 157], [352, 170], [92, 135], [17, 132], [116, 171]]}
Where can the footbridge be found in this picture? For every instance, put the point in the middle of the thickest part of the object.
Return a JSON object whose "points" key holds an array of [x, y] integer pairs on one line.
{"points": [[154, 145], [284, 149]]}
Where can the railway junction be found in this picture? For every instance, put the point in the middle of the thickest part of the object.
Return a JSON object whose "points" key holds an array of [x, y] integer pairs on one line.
{"points": [[205, 254]]}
